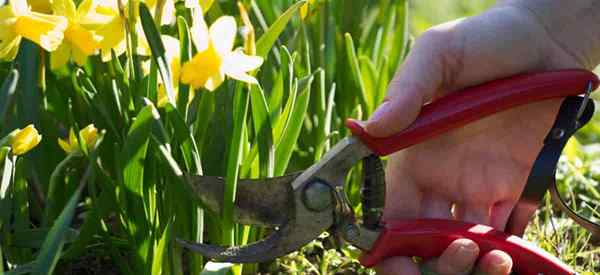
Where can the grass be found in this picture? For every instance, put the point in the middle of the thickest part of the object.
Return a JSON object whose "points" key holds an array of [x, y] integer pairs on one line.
{"points": [[116, 207]]}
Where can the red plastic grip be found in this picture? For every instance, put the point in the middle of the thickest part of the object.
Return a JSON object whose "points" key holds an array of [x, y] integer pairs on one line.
{"points": [[462, 107], [428, 238]]}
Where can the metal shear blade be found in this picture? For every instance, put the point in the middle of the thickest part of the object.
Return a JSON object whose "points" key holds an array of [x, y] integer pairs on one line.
{"points": [[299, 206], [264, 202]]}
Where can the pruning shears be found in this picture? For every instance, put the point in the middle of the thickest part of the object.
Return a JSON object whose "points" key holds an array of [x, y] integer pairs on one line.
{"points": [[299, 207]]}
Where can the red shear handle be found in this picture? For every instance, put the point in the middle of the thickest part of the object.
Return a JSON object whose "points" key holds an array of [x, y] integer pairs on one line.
{"points": [[462, 107], [428, 238]]}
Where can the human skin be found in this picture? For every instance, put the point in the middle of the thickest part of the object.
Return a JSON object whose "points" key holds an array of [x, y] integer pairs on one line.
{"points": [[478, 172]]}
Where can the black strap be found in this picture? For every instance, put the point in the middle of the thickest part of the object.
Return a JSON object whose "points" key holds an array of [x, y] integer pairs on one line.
{"points": [[542, 175]]}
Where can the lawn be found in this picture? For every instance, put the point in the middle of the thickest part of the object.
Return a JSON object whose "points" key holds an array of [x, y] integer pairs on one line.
{"points": [[104, 105]]}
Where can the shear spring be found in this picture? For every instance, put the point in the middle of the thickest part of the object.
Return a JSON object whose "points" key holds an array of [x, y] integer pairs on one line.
{"points": [[373, 191]]}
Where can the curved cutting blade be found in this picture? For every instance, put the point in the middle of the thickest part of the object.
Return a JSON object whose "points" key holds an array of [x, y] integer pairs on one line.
{"points": [[303, 227], [265, 202]]}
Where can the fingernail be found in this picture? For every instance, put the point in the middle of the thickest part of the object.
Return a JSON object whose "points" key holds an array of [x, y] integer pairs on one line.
{"points": [[466, 249], [380, 111], [501, 265], [464, 256]]}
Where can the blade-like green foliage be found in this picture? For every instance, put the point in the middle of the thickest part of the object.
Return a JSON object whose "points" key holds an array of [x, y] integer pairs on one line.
{"points": [[158, 50], [323, 61], [266, 41], [7, 92]]}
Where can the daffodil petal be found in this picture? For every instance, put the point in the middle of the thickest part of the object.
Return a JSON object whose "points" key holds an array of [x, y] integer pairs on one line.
{"points": [[89, 134], [25, 140], [199, 30], [72, 137], [79, 57], [222, 34], [19, 7], [43, 29], [65, 8], [84, 8], [9, 48], [171, 46], [60, 56], [64, 145], [240, 75], [168, 14], [214, 81], [239, 61]]}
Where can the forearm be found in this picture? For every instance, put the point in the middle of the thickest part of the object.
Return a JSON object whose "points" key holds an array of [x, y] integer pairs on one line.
{"points": [[574, 25]]}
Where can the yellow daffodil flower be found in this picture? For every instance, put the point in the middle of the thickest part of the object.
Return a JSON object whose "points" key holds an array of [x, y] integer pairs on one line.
{"points": [[24, 140], [80, 42], [89, 134], [108, 23], [17, 21], [43, 6], [204, 4], [216, 57], [305, 7]]}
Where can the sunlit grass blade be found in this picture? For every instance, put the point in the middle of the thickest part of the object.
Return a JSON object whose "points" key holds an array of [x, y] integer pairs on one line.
{"points": [[400, 36], [160, 251], [185, 139], [7, 179], [356, 76], [185, 55], [291, 134], [263, 130], [267, 40], [158, 50], [240, 111]]}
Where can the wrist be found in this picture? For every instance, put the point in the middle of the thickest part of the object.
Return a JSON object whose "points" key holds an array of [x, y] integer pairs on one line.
{"points": [[574, 26]]}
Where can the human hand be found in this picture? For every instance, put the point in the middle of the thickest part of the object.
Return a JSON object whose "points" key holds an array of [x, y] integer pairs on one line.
{"points": [[477, 173]]}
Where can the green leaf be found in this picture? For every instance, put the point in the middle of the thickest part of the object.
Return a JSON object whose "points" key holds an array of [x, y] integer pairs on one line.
{"points": [[7, 179], [158, 50], [29, 97], [132, 160], [53, 244], [186, 54], [7, 92], [185, 139], [213, 268], [290, 136], [159, 250], [263, 130], [34, 238], [267, 40], [240, 111], [51, 208], [400, 36], [355, 72]]}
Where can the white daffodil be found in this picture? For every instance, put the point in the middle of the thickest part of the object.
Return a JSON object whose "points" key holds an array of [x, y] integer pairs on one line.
{"points": [[216, 58]]}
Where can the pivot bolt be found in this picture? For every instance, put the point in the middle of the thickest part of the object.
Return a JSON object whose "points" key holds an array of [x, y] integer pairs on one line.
{"points": [[558, 133], [317, 196]]}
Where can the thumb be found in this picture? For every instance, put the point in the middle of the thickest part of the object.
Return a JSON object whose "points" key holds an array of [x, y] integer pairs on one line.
{"points": [[429, 63]]}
